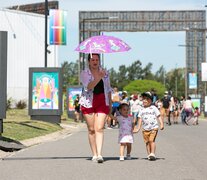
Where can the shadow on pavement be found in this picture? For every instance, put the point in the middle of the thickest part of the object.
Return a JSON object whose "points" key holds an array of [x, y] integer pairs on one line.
{"points": [[52, 158], [42, 158], [157, 159], [10, 145], [117, 158]]}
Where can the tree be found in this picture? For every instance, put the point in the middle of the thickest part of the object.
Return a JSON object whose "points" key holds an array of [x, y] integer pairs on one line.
{"points": [[135, 71], [146, 72], [113, 77], [175, 81], [140, 86], [160, 75], [70, 74], [122, 79]]}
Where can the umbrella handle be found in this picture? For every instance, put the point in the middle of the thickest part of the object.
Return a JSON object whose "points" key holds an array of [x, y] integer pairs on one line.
{"points": [[90, 52]]}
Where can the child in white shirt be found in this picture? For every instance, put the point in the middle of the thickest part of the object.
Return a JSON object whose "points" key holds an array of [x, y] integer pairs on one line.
{"points": [[148, 116]]}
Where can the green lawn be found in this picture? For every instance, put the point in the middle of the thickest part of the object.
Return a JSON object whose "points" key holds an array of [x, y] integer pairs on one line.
{"points": [[18, 126]]}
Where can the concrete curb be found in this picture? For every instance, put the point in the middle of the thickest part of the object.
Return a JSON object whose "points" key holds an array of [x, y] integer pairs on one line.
{"points": [[67, 130]]}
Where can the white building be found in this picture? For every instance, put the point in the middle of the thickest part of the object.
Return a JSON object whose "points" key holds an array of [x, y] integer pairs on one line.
{"points": [[25, 49]]}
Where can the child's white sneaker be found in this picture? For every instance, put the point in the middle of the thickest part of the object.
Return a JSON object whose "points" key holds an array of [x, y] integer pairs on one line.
{"points": [[152, 157], [100, 159], [128, 157], [121, 158]]}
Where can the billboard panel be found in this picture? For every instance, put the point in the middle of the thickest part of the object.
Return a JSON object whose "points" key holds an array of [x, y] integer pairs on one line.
{"points": [[72, 93], [45, 91], [57, 27], [204, 71], [192, 80]]}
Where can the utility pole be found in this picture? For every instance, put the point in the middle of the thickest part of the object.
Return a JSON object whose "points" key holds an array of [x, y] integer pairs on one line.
{"points": [[46, 45]]}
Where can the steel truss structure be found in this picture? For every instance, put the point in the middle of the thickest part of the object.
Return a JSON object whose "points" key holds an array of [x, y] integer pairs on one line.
{"points": [[193, 22]]}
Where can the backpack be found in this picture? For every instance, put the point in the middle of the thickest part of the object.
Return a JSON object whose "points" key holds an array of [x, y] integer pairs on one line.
{"points": [[166, 102]]}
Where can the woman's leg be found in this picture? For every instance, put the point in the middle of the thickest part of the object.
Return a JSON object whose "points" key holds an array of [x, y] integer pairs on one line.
{"points": [[99, 131], [91, 132]]}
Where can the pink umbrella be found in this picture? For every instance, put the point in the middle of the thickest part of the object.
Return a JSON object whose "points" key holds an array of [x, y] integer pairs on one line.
{"points": [[102, 44]]}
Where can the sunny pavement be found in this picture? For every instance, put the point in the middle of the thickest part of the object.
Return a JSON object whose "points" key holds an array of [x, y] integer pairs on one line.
{"points": [[181, 155]]}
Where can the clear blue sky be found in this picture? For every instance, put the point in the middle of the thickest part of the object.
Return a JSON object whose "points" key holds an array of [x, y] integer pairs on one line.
{"points": [[159, 48]]}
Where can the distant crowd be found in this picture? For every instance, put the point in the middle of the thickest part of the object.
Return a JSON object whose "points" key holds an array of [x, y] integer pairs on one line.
{"points": [[170, 107]]}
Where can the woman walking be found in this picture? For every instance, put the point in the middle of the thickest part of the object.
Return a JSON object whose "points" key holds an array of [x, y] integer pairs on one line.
{"points": [[95, 103]]}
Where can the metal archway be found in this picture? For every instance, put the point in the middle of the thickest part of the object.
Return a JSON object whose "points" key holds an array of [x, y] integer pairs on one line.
{"points": [[192, 21]]}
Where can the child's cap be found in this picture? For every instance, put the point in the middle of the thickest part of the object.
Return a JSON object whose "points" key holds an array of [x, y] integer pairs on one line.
{"points": [[147, 94]]}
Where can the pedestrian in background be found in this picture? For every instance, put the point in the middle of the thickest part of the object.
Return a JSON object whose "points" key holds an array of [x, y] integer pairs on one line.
{"points": [[148, 117], [188, 108], [182, 111], [95, 103], [126, 126], [77, 108], [116, 101], [165, 110], [196, 115]]}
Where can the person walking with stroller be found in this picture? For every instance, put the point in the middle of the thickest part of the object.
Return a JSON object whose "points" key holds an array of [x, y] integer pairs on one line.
{"points": [[126, 126], [148, 116]]}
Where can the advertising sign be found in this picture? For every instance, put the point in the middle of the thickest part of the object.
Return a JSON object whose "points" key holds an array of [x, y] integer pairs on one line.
{"points": [[196, 103], [72, 93], [45, 90], [192, 80], [57, 27], [204, 71]]}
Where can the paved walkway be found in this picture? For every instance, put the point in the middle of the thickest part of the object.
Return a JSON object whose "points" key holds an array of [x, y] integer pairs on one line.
{"points": [[181, 155], [68, 129]]}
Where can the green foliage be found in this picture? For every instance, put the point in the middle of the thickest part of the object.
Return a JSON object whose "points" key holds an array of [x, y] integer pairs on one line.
{"points": [[140, 86], [175, 81], [70, 74], [160, 75], [127, 74], [9, 103], [21, 104]]}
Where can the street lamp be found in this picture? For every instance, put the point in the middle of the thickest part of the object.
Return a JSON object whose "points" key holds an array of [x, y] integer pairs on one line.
{"points": [[92, 19], [46, 45], [195, 69]]}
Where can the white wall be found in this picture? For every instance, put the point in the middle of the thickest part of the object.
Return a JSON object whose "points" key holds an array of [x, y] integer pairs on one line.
{"points": [[25, 50]]}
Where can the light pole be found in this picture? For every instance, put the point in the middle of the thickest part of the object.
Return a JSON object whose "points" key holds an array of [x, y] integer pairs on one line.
{"points": [[92, 19], [195, 69], [176, 82], [46, 45]]}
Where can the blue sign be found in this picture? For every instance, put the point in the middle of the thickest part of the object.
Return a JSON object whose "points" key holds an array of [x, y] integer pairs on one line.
{"points": [[192, 81]]}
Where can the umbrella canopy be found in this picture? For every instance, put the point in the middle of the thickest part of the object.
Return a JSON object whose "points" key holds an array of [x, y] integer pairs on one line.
{"points": [[102, 44]]}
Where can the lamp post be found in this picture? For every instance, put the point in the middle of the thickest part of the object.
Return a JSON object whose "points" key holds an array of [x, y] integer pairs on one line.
{"points": [[195, 69], [46, 45], [92, 19]]}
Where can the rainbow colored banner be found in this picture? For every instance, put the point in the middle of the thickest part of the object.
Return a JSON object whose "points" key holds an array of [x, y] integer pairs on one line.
{"points": [[57, 27]]}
